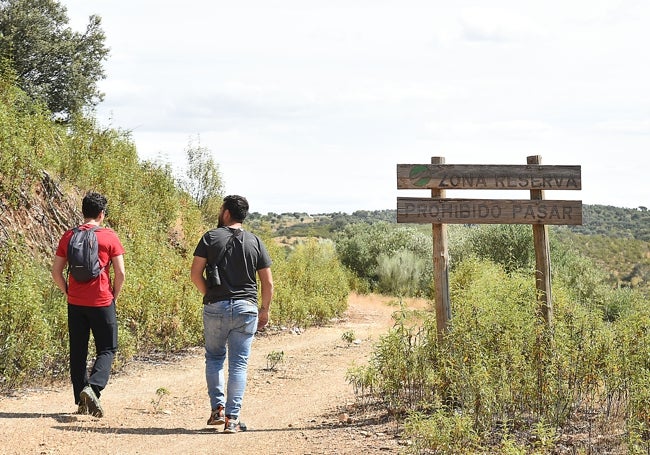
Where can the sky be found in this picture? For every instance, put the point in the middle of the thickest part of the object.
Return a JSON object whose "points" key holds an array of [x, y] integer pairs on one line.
{"points": [[309, 105]]}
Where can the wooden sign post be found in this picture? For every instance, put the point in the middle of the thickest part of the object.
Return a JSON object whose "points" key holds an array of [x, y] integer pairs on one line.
{"points": [[440, 262], [439, 211]]}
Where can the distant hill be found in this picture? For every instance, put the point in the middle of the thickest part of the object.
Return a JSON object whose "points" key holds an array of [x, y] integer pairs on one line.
{"points": [[597, 220], [615, 222], [617, 239]]}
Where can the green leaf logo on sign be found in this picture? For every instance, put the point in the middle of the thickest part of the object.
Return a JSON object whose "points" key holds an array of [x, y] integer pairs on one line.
{"points": [[419, 175]]}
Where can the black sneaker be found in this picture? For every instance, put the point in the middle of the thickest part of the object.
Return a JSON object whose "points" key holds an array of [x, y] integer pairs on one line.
{"points": [[217, 416], [234, 426], [91, 402]]}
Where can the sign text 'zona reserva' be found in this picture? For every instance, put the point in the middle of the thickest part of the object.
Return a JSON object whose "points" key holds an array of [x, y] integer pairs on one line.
{"points": [[506, 182]]}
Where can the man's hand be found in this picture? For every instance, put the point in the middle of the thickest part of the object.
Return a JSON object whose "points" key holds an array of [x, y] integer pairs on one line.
{"points": [[262, 319], [266, 279]]}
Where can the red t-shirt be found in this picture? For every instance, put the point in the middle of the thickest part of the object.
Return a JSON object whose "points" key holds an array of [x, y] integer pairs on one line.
{"points": [[97, 292]]}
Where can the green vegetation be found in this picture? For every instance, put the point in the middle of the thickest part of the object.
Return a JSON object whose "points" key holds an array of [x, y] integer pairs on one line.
{"points": [[314, 287], [348, 336], [387, 258], [273, 358], [51, 63], [45, 168], [499, 381], [609, 221], [603, 220], [625, 261], [617, 239], [156, 403]]}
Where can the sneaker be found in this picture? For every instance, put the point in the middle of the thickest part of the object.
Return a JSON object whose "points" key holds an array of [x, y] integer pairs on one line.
{"points": [[91, 402], [234, 426], [217, 416]]}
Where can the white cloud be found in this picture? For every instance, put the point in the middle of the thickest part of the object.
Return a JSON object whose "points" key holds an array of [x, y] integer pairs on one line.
{"points": [[503, 129], [308, 106], [641, 126], [498, 25]]}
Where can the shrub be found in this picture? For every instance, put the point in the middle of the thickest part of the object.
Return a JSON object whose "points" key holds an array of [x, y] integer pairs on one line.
{"points": [[399, 274], [510, 245], [361, 247], [499, 373], [311, 285], [32, 323], [441, 432]]}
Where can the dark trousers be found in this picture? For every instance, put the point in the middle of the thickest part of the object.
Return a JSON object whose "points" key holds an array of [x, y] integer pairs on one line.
{"points": [[102, 322]]}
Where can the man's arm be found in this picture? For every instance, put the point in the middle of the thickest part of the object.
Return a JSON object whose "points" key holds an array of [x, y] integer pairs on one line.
{"points": [[57, 273], [266, 280], [120, 275], [196, 274]]}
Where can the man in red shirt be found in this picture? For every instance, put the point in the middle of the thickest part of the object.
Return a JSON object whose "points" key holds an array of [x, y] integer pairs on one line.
{"points": [[91, 307]]}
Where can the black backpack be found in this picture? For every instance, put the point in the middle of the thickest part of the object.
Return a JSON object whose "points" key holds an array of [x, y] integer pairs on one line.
{"points": [[83, 255]]}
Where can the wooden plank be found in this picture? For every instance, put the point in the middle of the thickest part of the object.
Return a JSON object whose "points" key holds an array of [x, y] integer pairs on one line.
{"points": [[488, 211], [488, 177]]}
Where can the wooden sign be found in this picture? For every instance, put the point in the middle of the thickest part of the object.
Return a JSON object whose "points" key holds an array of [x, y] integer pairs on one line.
{"points": [[488, 177], [488, 211], [440, 211]]}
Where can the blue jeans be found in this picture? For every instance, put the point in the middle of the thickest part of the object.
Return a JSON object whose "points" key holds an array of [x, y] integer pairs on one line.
{"points": [[228, 327]]}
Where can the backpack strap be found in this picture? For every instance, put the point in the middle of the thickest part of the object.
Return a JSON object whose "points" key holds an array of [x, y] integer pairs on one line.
{"points": [[224, 251], [226, 248]]}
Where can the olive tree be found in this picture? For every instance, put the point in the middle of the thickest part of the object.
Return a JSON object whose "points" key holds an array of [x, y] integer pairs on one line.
{"points": [[52, 63]]}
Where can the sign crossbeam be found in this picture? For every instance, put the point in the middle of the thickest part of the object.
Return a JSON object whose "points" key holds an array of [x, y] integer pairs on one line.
{"points": [[488, 177], [488, 211]]}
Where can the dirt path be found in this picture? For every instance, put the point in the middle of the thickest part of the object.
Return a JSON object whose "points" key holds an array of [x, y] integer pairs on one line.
{"points": [[293, 410]]}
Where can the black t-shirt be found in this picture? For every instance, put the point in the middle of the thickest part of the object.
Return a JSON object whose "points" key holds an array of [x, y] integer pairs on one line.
{"points": [[245, 254]]}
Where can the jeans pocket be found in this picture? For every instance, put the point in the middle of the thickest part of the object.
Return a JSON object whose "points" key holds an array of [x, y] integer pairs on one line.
{"points": [[213, 316], [247, 318]]}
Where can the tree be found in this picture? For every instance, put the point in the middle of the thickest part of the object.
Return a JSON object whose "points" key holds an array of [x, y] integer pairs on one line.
{"points": [[204, 182], [52, 63]]}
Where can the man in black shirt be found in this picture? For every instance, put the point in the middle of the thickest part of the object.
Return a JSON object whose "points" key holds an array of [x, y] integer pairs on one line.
{"points": [[231, 315]]}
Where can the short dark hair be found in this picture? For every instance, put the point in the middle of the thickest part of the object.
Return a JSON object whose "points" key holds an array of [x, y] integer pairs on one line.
{"points": [[237, 206], [93, 204]]}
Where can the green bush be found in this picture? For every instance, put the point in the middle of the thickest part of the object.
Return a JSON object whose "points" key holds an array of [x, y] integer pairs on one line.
{"points": [[362, 246], [441, 432], [311, 286], [28, 140], [510, 245], [399, 274]]}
